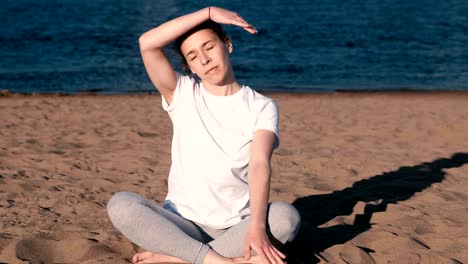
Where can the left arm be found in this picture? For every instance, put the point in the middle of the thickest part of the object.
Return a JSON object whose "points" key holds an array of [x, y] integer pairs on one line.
{"points": [[259, 190]]}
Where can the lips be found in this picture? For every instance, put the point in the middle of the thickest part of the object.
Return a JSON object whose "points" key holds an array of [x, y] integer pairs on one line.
{"points": [[212, 68]]}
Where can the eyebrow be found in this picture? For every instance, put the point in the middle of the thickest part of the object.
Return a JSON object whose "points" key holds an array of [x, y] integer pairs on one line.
{"points": [[204, 44]]}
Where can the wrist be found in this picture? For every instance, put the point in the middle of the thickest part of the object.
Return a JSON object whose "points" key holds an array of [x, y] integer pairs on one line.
{"points": [[258, 225]]}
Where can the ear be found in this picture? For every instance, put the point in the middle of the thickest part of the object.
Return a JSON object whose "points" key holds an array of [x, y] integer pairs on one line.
{"points": [[229, 45]]}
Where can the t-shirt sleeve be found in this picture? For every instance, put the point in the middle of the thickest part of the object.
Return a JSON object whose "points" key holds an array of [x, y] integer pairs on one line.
{"points": [[269, 119], [182, 81]]}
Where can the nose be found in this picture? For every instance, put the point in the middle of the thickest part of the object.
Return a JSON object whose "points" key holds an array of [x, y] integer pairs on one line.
{"points": [[204, 58]]}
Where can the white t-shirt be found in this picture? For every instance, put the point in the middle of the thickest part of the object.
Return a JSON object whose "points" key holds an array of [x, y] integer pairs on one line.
{"points": [[210, 151]]}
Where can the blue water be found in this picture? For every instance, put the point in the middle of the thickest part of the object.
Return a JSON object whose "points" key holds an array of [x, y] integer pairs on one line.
{"points": [[71, 46]]}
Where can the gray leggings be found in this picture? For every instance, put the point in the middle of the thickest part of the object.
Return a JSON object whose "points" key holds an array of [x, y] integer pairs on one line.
{"points": [[161, 231]]}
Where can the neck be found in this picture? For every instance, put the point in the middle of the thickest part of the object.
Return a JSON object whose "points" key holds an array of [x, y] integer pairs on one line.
{"points": [[222, 90], [227, 87]]}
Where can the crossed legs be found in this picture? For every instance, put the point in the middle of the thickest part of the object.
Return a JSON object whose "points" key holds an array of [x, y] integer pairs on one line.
{"points": [[171, 238]]}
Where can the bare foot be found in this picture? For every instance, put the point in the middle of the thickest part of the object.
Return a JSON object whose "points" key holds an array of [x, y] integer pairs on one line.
{"points": [[150, 257], [211, 258]]}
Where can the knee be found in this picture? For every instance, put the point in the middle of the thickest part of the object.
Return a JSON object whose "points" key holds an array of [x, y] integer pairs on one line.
{"points": [[284, 221], [119, 206]]}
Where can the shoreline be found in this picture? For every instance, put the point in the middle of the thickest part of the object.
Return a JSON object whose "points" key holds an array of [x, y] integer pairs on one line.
{"points": [[7, 93]]}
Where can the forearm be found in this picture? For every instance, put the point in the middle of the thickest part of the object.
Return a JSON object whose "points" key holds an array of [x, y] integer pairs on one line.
{"points": [[164, 34], [259, 189]]}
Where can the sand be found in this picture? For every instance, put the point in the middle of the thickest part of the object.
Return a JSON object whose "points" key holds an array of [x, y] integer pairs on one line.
{"points": [[377, 177]]}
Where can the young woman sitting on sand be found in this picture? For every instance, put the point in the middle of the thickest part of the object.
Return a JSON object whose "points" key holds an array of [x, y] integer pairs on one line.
{"points": [[216, 209]]}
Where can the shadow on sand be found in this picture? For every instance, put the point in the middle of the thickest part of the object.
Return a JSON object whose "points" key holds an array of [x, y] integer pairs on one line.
{"points": [[387, 188]]}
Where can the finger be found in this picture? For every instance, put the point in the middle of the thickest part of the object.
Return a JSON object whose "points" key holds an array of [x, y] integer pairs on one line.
{"points": [[262, 255], [251, 30], [277, 257], [270, 256], [247, 27], [243, 24], [241, 21], [264, 258], [283, 256], [135, 258], [247, 252]]}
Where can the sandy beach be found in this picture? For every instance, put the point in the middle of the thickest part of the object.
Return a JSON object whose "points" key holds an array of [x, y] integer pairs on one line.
{"points": [[377, 177]]}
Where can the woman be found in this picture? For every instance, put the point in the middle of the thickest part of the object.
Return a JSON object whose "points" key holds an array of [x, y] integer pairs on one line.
{"points": [[216, 209]]}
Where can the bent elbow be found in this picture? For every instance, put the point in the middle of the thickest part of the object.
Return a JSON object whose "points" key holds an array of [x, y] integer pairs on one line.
{"points": [[142, 42], [148, 44]]}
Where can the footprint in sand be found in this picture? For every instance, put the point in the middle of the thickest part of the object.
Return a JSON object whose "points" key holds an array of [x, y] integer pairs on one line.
{"points": [[41, 249]]}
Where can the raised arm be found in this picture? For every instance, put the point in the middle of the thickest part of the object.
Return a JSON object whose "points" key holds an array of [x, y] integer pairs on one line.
{"points": [[159, 69]]}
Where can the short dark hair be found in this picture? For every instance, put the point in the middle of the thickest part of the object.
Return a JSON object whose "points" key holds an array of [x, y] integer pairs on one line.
{"points": [[208, 24]]}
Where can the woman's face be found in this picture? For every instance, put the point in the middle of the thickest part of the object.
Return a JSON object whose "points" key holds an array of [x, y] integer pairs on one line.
{"points": [[208, 57]]}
